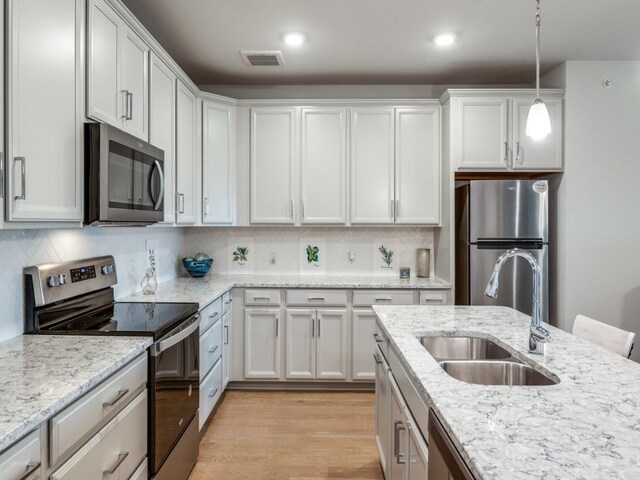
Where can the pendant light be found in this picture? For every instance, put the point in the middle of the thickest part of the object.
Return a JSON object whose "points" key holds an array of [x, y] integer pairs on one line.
{"points": [[538, 121]]}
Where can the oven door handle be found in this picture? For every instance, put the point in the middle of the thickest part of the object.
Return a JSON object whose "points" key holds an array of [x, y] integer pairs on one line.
{"points": [[163, 345]]}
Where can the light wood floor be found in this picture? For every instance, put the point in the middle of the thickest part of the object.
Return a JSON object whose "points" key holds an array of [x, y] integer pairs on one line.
{"points": [[290, 436]]}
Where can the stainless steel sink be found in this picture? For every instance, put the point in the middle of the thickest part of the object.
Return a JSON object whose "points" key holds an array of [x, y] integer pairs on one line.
{"points": [[463, 348], [495, 373]]}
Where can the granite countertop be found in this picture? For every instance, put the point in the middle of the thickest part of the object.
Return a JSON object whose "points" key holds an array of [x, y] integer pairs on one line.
{"points": [[585, 427], [45, 373], [205, 290]]}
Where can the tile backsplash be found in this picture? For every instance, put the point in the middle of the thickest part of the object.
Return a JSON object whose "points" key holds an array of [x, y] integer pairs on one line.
{"points": [[284, 245], [21, 248]]}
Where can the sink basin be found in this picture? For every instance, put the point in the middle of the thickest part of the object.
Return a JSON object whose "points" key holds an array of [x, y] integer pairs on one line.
{"points": [[463, 348], [495, 373]]}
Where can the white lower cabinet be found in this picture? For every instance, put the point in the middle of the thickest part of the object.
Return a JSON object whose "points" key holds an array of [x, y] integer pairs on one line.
{"points": [[22, 460], [262, 343], [300, 355], [210, 392], [383, 413], [362, 344], [399, 440], [115, 451]]}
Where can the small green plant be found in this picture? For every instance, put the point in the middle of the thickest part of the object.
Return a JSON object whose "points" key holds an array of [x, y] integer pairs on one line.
{"points": [[152, 261], [387, 255], [312, 254], [240, 255]]}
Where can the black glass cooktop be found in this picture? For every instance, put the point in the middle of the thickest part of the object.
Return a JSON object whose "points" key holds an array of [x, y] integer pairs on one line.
{"points": [[152, 319]]}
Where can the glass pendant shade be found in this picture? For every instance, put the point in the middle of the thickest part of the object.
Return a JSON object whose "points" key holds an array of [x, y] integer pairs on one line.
{"points": [[538, 121]]}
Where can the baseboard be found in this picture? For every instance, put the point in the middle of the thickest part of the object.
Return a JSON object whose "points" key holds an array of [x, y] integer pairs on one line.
{"points": [[304, 386]]}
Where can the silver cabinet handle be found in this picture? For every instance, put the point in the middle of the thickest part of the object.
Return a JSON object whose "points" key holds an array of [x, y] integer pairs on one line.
{"points": [[180, 202], [228, 301], [206, 206], [277, 325], [393, 210], [156, 206], [315, 299], [121, 458], [130, 106], [318, 326], [31, 467], [125, 104], [212, 392], [121, 393], [214, 315], [397, 208], [378, 338], [302, 208], [313, 327], [1, 174], [226, 334], [397, 426], [376, 357], [213, 349], [518, 156], [23, 178], [506, 153], [291, 208], [384, 299]]}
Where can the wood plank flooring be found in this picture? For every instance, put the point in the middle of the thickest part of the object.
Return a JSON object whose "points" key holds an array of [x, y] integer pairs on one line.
{"points": [[290, 436]]}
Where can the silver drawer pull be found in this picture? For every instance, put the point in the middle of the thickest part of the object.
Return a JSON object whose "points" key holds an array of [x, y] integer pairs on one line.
{"points": [[378, 338], [432, 300], [23, 178], [213, 349], [31, 467], [121, 458], [121, 393], [316, 299], [377, 358], [383, 299], [397, 426], [213, 392], [228, 301], [214, 315], [255, 299]]}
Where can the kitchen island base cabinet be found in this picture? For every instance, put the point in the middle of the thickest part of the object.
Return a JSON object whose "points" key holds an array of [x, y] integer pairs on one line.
{"points": [[262, 343], [22, 458], [383, 413]]}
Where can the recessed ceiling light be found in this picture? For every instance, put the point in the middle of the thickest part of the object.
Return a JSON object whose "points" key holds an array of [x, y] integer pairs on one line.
{"points": [[444, 39], [294, 39]]}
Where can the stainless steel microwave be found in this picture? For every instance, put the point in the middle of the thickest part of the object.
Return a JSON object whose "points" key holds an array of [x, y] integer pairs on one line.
{"points": [[124, 178]]}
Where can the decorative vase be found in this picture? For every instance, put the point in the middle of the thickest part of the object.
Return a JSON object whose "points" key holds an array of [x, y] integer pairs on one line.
{"points": [[149, 283], [423, 261]]}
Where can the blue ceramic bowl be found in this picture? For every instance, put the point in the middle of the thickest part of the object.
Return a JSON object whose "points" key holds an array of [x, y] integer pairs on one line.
{"points": [[197, 268]]}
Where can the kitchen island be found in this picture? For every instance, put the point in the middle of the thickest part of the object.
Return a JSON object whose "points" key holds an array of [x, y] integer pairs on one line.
{"points": [[587, 426]]}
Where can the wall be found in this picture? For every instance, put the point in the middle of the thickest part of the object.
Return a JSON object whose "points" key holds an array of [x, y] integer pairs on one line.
{"points": [[21, 248], [599, 195], [285, 243]]}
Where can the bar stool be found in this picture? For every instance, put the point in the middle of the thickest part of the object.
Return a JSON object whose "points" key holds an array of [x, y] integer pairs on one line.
{"points": [[612, 338]]}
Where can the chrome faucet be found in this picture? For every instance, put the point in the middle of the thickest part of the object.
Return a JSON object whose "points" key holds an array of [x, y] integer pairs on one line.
{"points": [[538, 335]]}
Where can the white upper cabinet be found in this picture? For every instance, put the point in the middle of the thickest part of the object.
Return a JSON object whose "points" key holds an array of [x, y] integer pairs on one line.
{"points": [[417, 164], [372, 165], [545, 154], [218, 163], [44, 98], [186, 155], [487, 131], [483, 130], [323, 166], [117, 72], [272, 165], [162, 125]]}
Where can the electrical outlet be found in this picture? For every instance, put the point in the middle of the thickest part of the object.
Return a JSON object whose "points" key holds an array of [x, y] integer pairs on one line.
{"points": [[273, 258], [352, 256]]}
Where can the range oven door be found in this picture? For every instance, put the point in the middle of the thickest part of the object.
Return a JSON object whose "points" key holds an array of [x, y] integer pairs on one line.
{"points": [[174, 389]]}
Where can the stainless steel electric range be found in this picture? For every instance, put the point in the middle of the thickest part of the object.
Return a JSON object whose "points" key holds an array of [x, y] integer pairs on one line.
{"points": [[76, 298]]}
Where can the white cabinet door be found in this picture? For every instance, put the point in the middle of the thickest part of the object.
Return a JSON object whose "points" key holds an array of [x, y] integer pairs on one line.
{"points": [[398, 429], [44, 97], [482, 133], [323, 166], [162, 125], [135, 84], [417, 165], [262, 343], [331, 344], [418, 454], [372, 165], [272, 165], [383, 413], [186, 155], [104, 37], [545, 154], [300, 344], [218, 163], [363, 345]]}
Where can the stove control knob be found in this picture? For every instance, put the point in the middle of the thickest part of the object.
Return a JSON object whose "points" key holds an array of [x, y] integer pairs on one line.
{"points": [[53, 281], [63, 278], [107, 269]]}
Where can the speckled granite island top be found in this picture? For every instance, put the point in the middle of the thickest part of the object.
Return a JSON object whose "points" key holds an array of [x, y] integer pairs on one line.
{"points": [[585, 427], [205, 290], [42, 374]]}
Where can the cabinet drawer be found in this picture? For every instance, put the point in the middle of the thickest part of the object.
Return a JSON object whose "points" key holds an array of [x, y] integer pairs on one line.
{"points": [[22, 457], [226, 302], [142, 472], [210, 391], [210, 348], [262, 297], [210, 314], [74, 422], [317, 298], [119, 447], [434, 297], [367, 298]]}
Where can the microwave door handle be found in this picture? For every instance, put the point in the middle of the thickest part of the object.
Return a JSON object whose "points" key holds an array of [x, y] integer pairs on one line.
{"points": [[167, 343], [157, 203]]}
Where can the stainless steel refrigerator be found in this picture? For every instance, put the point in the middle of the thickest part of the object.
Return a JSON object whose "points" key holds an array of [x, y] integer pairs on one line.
{"points": [[493, 216]]}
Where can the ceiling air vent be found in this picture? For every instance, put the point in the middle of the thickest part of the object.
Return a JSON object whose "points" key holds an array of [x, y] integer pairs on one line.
{"points": [[262, 58]]}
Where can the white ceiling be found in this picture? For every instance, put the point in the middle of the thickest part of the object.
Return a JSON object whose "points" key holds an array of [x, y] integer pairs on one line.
{"points": [[387, 41]]}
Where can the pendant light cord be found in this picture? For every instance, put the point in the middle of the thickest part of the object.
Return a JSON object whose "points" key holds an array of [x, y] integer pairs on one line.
{"points": [[538, 11]]}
